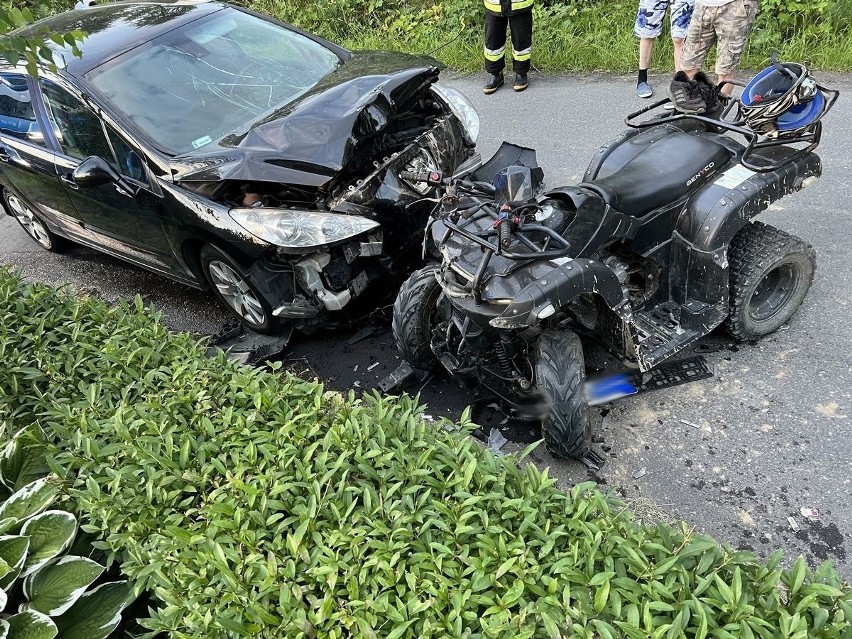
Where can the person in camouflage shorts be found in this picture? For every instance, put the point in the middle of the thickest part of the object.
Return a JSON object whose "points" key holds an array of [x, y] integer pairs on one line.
{"points": [[726, 23], [649, 25]]}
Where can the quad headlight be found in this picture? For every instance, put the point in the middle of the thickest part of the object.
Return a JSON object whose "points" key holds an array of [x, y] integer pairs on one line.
{"points": [[462, 108], [300, 230]]}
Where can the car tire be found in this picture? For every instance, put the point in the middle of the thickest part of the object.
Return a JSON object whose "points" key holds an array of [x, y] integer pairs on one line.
{"points": [[414, 314], [234, 289], [33, 225], [770, 274], [560, 372]]}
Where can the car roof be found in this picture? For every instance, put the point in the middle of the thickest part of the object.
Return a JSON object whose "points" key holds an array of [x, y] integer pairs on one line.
{"points": [[115, 27]]}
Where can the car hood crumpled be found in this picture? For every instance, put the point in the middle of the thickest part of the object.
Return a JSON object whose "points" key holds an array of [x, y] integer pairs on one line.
{"points": [[309, 141]]}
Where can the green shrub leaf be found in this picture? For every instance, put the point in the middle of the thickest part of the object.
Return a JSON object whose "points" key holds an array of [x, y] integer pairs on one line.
{"points": [[55, 588], [22, 460], [13, 552], [97, 612], [29, 500], [50, 534], [31, 625]]}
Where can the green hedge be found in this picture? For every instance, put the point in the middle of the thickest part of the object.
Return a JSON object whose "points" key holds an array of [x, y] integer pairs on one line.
{"points": [[256, 504], [572, 35]]}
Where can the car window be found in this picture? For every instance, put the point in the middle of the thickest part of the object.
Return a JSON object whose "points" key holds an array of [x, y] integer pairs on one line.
{"points": [[129, 162], [195, 84], [17, 117], [76, 126]]}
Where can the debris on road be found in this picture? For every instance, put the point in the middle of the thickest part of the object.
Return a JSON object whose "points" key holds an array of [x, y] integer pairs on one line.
{"points": [[593, 461], [401, 377], [640, 473], [693, 424], [793, 525], [372, 366], [364, 333], [496, 441], [809, 513]]}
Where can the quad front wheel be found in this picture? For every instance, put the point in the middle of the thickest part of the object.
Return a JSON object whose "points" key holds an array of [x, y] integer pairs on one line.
{"points": [[771, 272], [560, 372], [415, 313]]}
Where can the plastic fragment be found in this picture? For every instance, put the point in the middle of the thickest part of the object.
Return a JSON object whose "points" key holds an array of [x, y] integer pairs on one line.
{"points": [[793, 525], [693, 424], [809, 513], [355, 370], [640, 473], [372, 366], [496, 441]]}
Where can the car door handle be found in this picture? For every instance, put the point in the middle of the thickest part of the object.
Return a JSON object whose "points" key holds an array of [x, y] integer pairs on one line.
{"points": [[68, 181]]}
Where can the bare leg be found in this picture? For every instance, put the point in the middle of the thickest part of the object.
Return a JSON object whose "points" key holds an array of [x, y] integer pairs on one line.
{"points": [[678, 52], [728, 88], [646, 47]]}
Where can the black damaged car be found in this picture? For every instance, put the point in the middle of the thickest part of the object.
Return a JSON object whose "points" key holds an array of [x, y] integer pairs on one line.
{"points": [[228, 151]]}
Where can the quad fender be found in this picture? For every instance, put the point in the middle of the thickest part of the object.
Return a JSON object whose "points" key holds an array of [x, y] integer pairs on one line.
{"points": [[716, 214], [567, 280]]}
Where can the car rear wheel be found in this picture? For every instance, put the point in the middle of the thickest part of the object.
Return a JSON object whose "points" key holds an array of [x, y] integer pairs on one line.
{"points": [[33, 225], [233, 287], [771, 272]]}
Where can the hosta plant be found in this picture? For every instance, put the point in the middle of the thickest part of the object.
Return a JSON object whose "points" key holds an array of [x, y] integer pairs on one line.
{"points": [[46, 592]]}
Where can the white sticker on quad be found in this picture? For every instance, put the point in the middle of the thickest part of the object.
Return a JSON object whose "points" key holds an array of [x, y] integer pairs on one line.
{"points": [[733, 177]]}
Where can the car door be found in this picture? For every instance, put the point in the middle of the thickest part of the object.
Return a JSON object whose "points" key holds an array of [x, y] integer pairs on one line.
{"points": [[27, 163], [126, 217]]}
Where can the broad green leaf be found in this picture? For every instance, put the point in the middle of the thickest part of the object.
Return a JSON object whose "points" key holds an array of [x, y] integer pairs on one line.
{"points": [[50, 534], [97, 613], [54, 589], [31, 625], [13, 550], [22, 460], [29, 500]]}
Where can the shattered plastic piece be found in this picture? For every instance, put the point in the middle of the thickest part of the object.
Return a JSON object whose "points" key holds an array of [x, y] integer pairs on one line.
{"points": [[693, 424], [401, 377], [640, 473], [496, 441], [356, 384], [364, 333], [809, 513], [593, 461], [372, 366], [793, 525], [355, 370]]}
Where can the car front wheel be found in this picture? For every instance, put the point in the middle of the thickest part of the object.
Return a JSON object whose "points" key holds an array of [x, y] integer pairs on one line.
{"points": [[236, 291], [33, 225]]}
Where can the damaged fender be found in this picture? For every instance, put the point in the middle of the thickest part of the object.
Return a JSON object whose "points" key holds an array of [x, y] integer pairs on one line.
{"points": [[567, 280]]}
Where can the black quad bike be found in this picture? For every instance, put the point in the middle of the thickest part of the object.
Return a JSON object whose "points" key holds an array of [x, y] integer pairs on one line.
{"points": [[652, 251]]}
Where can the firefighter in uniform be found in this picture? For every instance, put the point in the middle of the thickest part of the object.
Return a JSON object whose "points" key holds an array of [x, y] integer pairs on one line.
{"points": [[517, 15]]}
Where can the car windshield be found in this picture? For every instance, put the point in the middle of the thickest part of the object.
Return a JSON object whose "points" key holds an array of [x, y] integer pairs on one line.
{"points": [[193, 85]]}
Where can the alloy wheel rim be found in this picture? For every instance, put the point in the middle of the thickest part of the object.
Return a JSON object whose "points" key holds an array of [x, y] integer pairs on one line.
{"points": [[773, 292], [33, 226], [236, 292]]}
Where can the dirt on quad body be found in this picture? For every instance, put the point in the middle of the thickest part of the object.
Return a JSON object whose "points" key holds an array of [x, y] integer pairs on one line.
{"points": [[651, 252]]}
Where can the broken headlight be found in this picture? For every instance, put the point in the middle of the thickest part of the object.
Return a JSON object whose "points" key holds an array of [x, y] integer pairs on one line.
{"points": [[300, 230], [462, 109]]}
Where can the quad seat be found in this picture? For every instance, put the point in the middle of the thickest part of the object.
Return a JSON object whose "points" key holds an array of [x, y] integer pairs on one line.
{"points": [[662, 173]]}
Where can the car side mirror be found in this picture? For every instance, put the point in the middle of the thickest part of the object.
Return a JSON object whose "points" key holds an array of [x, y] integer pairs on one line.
{"points": [[95, 171]]}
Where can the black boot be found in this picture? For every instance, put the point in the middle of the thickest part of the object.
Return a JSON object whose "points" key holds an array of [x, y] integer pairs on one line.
{"points": [[521, 82], [495, 81]]}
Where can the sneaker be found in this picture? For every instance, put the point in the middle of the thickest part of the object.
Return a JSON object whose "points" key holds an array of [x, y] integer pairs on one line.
{"points": [[495, 81], [644, 90], [521, 82], [710, 94], [686, 95]]}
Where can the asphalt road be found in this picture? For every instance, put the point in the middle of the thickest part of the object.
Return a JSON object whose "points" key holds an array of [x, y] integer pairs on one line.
{"points": [[773, 432]]}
